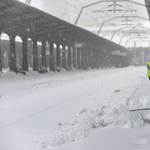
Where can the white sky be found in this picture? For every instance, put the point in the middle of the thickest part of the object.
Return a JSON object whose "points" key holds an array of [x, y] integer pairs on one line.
{"points": [[35, 3]]}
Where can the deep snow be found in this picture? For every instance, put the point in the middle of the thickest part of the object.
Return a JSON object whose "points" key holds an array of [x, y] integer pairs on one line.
{"points": [[77, 110]]}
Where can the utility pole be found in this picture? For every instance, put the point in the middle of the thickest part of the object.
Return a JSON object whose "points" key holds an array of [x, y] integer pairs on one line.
{"points": [[78, 17]]}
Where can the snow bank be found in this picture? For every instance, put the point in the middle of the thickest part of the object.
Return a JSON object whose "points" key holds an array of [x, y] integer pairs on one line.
{"points": [[142, 102], [102, 117], [63, 108]]}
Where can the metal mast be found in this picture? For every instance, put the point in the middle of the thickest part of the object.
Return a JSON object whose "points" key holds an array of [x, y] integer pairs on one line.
{"points": [[28, 1]]}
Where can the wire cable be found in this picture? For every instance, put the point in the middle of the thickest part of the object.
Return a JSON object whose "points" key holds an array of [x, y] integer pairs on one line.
{"points": [[78, 9]]}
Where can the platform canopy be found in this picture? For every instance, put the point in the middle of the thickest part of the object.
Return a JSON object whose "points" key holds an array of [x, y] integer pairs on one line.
{"points": [[147, 2], [20, 19]]}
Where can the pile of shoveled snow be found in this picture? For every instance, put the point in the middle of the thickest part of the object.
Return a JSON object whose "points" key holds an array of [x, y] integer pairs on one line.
{"points": [[89, 121]]}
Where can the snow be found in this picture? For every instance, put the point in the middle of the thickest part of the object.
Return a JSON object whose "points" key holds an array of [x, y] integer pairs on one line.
{"points": [[77, 110]]}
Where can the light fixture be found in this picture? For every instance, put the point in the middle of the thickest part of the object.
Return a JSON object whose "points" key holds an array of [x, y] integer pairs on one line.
{"points": [[28, 30]]}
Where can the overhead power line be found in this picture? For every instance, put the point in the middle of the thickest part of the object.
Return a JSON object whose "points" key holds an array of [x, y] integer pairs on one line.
{"points": [[78, 9], [28, 1]]}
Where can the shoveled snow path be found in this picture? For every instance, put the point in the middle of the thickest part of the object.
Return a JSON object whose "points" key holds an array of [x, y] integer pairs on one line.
{"points": [[131, 131], [33, 107]]}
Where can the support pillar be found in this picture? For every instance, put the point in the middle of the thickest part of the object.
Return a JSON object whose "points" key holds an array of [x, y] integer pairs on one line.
{"points": [[69, 57], [44, 53], [103, 60], [82, 58], [58, 55], [35, 55], [51, 59], [12, 54], [0, 54], [74, 57], [89, 58], [29, 48], [20, 59], [64, 57], [2, 59], [96, 59], [78, 58], [86, 59], [91, 53], [24, 54]]}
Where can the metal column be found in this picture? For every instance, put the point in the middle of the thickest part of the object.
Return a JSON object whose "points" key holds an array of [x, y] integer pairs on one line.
{"points": [[69, 57], [44, 53], [82, 58], [91, 59], [78, 58], [74, 57], [63, 57], [25, 54], [29, 49], [96, 59], [0, 54], [58, 55], [35, 56], [86, 59], [51, 59], [12, 54]]}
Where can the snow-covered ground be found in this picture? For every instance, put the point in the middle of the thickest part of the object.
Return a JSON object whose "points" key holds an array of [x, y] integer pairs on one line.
{"points": [[77, 110]]}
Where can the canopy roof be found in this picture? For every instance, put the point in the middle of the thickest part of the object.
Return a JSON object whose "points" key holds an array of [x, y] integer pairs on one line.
{"points": [[20, 19]]}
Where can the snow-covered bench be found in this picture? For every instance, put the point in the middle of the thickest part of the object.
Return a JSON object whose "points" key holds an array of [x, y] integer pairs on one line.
{"points": [[20, 70], [42, 69]]}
